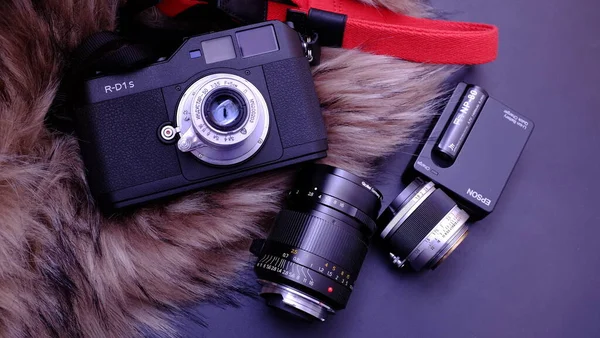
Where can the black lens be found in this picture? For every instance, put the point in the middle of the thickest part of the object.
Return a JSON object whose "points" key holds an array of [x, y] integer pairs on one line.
{"points": [[422, 226], [225, 110], [310, 261]]}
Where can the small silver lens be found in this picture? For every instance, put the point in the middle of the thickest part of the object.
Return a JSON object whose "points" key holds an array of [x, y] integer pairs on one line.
{"points": [[223, 119], [422, 226]]}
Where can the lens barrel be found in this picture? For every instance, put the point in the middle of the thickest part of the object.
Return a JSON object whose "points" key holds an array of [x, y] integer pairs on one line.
{"points": [[422, 226], [222, 119], [309, 263]]}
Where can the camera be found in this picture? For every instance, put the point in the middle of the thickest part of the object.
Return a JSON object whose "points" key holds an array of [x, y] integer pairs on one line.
{"points": [[309, 262], [224, 106]]}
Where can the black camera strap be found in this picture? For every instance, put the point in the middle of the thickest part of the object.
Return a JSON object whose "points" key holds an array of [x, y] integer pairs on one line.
{"points": [[101, 52], [108, 52]]}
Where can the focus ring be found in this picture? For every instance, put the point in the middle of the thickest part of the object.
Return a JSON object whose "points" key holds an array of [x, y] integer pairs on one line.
{"points": [[420, 223], [363, 218], [321, 237], [344, 207]]}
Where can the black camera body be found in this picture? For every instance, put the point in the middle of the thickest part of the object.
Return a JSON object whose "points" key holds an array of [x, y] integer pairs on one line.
{"points": [[225, 105]]}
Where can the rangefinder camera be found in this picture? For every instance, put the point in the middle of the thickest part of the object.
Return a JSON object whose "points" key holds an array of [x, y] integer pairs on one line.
{"points": [[225, 105]]}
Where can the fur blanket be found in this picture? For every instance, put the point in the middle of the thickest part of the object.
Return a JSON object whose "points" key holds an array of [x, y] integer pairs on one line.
{"points": [[68, 271]]}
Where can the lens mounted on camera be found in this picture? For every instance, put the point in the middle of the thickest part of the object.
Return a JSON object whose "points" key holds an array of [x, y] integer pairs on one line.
{"points": [[223, 119]]}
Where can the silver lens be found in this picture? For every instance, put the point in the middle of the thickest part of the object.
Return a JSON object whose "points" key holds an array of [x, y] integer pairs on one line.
{"points": [[422, 226], [293, 301], [222, 119]]}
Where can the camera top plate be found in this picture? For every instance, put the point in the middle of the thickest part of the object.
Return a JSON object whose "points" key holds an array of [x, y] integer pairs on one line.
{"points": [[242, 48]]}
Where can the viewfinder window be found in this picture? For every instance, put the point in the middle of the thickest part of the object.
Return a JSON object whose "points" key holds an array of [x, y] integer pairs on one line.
{"points": [[219, 49], [257, 41]]}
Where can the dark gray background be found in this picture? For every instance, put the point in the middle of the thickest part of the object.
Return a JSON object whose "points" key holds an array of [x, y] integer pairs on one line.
{"points": [[530, 269]]}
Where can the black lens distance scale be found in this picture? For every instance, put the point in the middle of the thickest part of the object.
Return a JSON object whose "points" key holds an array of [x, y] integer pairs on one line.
{"points": [[310, 261]]}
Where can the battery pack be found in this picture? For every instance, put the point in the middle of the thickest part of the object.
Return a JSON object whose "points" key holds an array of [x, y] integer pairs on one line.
{"points": [[488, 138], [461, 122]]}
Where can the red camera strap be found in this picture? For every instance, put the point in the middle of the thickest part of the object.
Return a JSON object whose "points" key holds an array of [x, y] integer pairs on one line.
{"points": [[381, 31]]}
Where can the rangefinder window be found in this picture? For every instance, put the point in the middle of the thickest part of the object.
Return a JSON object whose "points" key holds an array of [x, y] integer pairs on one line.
{"points": [[219, 49], [257, 41]]}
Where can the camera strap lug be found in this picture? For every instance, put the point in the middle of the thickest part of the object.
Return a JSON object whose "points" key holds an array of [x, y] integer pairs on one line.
{"points": [[310, 38], [317, 28], [312, 49]]}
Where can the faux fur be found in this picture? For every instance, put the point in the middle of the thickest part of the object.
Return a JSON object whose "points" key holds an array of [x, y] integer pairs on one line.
{"points": [[68, 271]]}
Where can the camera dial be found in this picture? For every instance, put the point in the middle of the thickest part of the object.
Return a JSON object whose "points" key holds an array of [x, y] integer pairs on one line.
{"points": [[222, 119]]}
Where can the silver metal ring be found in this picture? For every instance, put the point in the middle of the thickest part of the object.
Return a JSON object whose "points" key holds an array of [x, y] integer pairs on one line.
{"points": [[440, 240], [296, 299], [221, 147], [409, 208]]}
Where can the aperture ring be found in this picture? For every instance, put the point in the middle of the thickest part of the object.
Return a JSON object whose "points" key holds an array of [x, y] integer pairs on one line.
{"points": [[321, 235], [440, 240]]}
